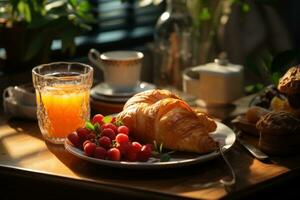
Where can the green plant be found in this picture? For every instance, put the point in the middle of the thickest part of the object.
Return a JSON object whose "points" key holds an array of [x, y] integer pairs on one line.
{"points": [[48, 20], [271, 67]]}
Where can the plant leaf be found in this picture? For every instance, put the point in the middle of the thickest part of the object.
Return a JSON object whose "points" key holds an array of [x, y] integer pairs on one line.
{"points": [[107, 119], [67, 40], [155, 146], [165, 157], [114, 143], [254, 88], [118, 122], [37, 42], [204, 15], [73, 3], [155, 153], [245, 7], [275, 78], [89, 126], [161, 148], [97, 127], [24, 10]]}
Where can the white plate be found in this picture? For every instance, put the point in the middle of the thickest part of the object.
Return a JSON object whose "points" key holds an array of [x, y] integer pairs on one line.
{"points": [[224, 135], [104, 90]]}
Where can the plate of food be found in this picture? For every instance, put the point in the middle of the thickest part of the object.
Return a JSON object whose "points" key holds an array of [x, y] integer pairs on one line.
{"points": [[155, 130]]}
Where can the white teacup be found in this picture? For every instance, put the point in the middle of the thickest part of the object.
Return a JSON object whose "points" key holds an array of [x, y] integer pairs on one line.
{"points": [[121, 68]]}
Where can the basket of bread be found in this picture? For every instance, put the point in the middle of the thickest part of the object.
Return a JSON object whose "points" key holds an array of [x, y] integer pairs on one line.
{"points": [[274, 116]]}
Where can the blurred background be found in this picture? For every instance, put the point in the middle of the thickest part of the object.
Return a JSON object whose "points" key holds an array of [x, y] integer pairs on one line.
{"points": [[261, 35]]}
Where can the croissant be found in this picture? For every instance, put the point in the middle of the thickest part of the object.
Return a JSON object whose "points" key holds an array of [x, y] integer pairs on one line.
{"points": [[162, 116]]}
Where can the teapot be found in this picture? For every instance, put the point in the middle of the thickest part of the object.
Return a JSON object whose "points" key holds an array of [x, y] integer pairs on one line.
{"points": [[216, 83]]}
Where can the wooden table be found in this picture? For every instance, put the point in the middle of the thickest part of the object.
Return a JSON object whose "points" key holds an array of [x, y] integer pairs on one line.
{"points": [[24, 154]]}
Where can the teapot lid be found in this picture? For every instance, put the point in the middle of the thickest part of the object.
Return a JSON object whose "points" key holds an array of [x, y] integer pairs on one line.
{"points": [[219, 67]]}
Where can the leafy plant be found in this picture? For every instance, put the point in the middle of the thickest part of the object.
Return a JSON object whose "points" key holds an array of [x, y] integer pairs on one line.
{"points": [[62, 19], [208, 16], [270, 68]]}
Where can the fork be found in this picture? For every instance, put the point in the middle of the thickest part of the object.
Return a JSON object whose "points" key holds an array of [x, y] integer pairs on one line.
{"points": [[222, 182]]}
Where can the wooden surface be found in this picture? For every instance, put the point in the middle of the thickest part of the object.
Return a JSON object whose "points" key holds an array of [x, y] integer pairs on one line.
{"points": [[23, 150], [105, 108]]}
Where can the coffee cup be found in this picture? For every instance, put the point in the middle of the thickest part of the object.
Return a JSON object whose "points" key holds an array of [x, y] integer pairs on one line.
{"points": [[121, 68]]}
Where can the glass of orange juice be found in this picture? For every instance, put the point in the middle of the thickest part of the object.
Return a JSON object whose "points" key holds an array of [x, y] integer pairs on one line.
{"points": [[62, 93]]}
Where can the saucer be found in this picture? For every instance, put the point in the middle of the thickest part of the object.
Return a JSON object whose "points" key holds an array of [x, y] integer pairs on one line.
{"points": [[104, 89], [98, 97]]}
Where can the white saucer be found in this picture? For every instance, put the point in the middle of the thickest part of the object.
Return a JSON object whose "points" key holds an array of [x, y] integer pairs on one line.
{"points": [[104, 90], [96, 96]]}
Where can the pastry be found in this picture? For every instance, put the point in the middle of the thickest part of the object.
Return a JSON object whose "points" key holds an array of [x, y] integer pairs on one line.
{"points": [[254, 113], [247, 122], [279, 133], [162, 116], [289, 84], [241, 123]]}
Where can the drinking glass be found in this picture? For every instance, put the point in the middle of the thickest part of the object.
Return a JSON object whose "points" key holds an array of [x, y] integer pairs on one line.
{"points": [[62, 93]]}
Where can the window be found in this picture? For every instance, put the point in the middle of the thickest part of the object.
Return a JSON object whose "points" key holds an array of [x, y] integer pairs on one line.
{"points": [[120, 23]]}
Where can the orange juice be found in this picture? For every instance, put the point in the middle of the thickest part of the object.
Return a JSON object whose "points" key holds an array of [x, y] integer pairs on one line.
{"points": [[62, 90], [62, 109]]}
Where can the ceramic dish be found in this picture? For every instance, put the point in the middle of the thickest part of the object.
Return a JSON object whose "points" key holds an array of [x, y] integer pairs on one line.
{"points": [[224, 135], [18, 102]]}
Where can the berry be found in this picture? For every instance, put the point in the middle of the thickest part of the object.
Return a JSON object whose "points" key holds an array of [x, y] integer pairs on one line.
{"points": [[113, 154], [123, 129], [100, 153], [123, 147], [113, 120], [105, 142], [122, 138], [85, 142], [74, 139], [136, 146], [148, 147], [111, 126], [109, 133], [83, 133], [89, 149], [98, 119], [91, 136], [145, 153], [131, 154]]}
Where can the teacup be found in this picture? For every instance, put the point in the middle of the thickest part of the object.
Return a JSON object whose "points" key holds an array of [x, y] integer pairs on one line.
{"points": [[121, 68]]}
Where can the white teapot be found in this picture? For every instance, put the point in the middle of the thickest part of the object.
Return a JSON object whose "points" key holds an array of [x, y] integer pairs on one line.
{"points": [[217, 83]]}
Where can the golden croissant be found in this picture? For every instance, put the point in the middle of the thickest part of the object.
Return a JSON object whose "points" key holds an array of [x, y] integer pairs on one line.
{"points": [[162, 116]]}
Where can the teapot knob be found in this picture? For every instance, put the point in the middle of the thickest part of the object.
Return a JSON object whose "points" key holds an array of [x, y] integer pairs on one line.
{"points": [[222, 62]]}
